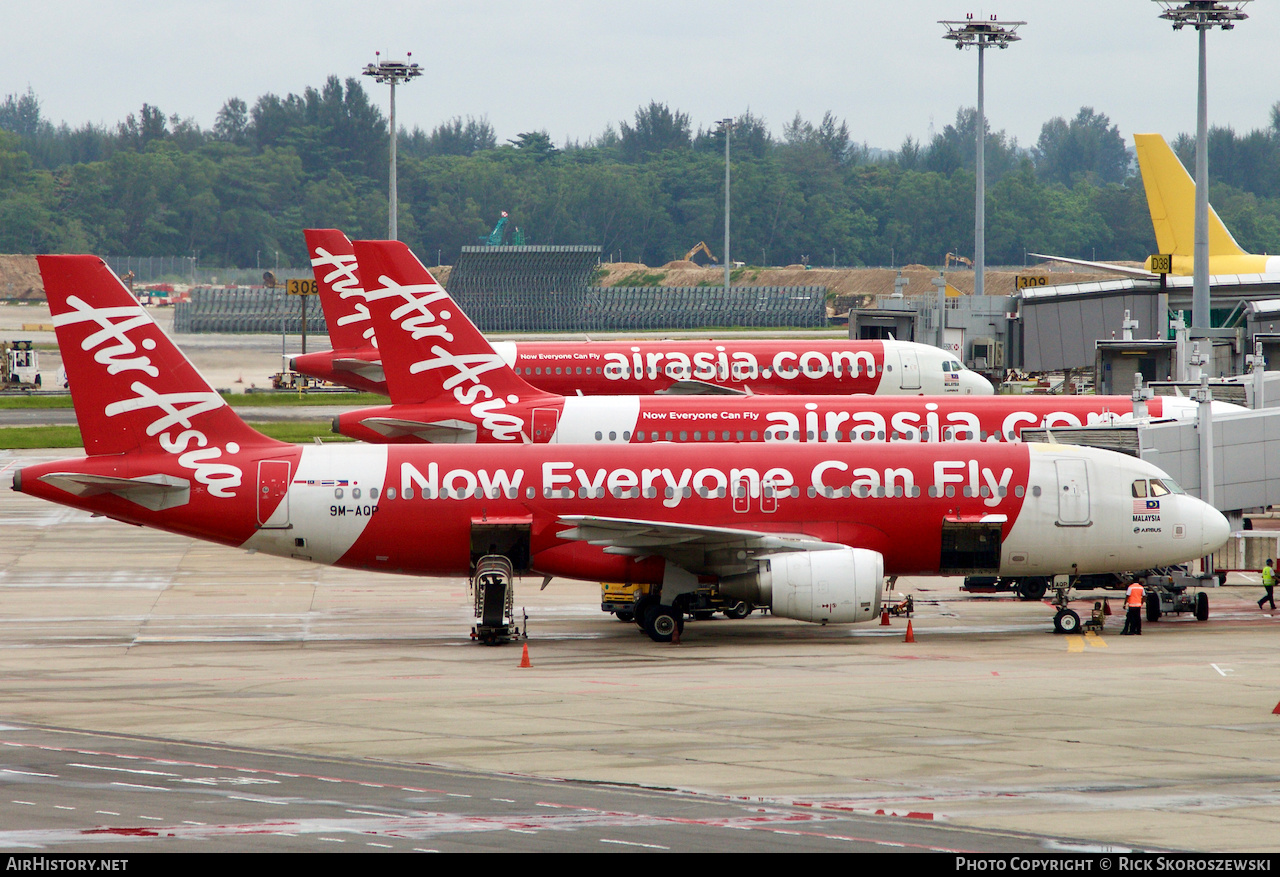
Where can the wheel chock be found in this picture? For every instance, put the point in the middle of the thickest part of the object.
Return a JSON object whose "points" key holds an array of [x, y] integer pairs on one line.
{"points": [[911, 637], [524, 657]]}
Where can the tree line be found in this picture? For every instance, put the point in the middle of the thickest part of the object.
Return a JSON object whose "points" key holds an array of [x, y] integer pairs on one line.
{"points": [[645, 190]]}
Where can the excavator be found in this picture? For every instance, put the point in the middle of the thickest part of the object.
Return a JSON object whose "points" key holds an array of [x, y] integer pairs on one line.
{"points": [[700, 248], [954, 259]]}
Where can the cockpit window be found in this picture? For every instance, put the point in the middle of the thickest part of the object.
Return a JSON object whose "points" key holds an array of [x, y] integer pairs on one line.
{"points": [[1140, 489], [1158, 488]]}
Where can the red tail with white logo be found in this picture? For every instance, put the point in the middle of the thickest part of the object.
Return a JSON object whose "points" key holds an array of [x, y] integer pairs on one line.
{"points": [[342, 298], [133, 389], [438, 355]]}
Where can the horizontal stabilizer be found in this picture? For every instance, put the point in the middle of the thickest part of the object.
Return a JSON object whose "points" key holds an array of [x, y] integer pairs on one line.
{"points": [[700, 388], [155, 492], [440, 432], [1101, 266], [370, 371]]}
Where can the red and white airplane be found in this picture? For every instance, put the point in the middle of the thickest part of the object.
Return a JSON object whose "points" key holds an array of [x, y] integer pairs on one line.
{"points": [[808, 529], [449, 385], [608, 368]]}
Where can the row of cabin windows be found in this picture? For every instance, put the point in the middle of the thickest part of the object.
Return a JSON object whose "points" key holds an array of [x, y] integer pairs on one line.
{"points": [[739, 492], [777, 435], [653, 372]]}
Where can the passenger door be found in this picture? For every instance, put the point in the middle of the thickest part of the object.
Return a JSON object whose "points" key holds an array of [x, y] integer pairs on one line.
{"points": [[1073, 493]]}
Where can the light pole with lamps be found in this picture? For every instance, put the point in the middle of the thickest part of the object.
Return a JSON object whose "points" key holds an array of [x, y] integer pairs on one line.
{"points": [[981, 34], [392, 72], [725, 127], [1202, 15]]}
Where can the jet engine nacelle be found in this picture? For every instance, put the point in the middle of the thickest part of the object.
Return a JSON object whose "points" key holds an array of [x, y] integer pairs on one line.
{"points": [[837, 586]]}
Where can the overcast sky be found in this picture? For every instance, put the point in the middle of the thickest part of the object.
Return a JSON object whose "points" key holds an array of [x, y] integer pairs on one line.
{"points": [[572, 67]]}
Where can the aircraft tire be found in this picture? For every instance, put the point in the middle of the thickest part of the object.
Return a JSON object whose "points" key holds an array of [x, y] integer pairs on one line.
{"points": [[1202, 606], [1153, 607], [662, 623], [1066, 621], [1032, 589], [641, 613]]}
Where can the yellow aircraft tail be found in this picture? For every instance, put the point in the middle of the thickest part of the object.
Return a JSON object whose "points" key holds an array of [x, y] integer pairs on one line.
{"points": [[1171, 197]]}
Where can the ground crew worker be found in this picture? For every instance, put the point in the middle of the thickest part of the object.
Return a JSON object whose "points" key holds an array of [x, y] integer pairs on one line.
{"points": [[1133, 597], [1268, 582]]}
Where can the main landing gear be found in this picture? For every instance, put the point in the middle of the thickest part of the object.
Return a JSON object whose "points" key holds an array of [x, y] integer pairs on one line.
{"points": [[663, 623]]}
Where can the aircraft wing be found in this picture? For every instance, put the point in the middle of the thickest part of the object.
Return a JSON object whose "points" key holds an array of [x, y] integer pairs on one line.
{"points": [[370, 371], [699, 388], [697, 548], [155, 492], [1102, 266], [447, 432]]}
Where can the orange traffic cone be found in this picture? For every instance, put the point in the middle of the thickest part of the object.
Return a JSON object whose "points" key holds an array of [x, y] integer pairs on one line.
{"points": [[884, 617], [911, 637], [524, 658], [1276, 711], [1106, 606]]}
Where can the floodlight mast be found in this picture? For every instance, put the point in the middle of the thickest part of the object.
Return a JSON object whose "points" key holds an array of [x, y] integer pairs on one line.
{"points": [[725, 127], [982, 35], [392, 72], [1202, 15]]}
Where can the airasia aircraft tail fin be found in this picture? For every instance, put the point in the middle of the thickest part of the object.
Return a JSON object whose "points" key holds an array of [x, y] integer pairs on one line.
{"points": [[133, 389], [333, 261], [430, 350]]}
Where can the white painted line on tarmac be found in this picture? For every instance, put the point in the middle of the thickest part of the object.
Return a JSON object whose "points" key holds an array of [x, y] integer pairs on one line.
{"points": [[628, 843], [276, 801], [154, 773], [1222, 671]]}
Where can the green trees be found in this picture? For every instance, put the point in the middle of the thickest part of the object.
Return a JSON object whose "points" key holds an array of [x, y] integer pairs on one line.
{"points": [[241, 192], [1088, 147]]}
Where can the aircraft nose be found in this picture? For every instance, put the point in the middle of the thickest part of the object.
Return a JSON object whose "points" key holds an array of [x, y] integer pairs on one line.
{"points": [[974, 384], [1214, 529]]}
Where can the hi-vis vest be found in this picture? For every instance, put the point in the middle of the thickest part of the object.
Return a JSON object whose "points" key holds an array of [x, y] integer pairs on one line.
{"points": [[1268, 576], [1133, 597]]}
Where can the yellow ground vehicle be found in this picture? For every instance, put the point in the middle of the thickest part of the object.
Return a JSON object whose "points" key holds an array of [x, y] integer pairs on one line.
{"points": [[627, 602]]}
